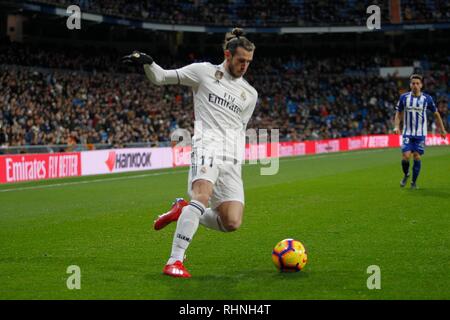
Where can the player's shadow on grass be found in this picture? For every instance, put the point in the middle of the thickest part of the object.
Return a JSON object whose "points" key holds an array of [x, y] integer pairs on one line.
{"points": [[221, 286], [245, 275], [211, 286], [430, 192]]}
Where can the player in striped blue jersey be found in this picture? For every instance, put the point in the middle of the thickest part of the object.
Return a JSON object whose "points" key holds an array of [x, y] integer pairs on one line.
{"points": [[412, 109]]}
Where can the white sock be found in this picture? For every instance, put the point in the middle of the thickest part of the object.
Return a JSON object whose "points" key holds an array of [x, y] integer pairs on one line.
{"points": [[211, 220], [186, 227]]}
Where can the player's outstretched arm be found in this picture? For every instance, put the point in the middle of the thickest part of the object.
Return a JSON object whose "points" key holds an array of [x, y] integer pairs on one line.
{"points": [[154, 72], [441, 124], [159, 76]]}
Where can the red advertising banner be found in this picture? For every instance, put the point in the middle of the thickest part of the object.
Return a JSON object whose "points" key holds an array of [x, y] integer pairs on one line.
{"points": [[436, 140], [28, 167], [295, 148]]}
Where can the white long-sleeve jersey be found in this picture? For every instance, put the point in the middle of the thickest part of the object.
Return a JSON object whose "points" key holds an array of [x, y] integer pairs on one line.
{"points": [[223, 105]]}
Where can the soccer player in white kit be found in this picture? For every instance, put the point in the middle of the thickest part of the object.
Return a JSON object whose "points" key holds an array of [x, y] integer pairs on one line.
{"points": [[223, 104]]}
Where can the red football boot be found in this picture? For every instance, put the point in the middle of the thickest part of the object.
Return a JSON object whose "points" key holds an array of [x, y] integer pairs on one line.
{"points": [[176, 270], [172, 215]]}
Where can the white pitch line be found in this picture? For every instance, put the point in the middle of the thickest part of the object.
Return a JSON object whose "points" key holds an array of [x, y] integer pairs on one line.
{"points": [[63, 184], [93, 181]]}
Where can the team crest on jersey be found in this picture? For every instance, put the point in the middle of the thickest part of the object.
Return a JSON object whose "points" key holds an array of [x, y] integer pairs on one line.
{"points": [[218, 75], [243, 96], [203, 170]]}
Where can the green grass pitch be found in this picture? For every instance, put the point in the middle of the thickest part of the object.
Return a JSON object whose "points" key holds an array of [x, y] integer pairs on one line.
{"points": [[347, 209]]}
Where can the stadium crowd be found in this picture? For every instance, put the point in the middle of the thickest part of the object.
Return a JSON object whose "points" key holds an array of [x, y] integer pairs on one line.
{"points": [[306, 97], [262, 13]]}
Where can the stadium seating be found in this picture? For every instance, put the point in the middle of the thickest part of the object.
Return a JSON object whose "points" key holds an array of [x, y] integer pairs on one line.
{"points": [[51, 97], [260, 13]]}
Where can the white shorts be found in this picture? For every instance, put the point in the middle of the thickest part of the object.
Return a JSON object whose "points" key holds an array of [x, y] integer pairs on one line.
{"points": [[224, 175]]}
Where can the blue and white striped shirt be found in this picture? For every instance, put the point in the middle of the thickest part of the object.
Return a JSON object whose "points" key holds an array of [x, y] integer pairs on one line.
{"points": [[415, 113]]}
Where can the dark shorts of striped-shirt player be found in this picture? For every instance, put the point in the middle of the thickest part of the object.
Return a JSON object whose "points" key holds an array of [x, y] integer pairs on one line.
{"points": [[413, 144]]}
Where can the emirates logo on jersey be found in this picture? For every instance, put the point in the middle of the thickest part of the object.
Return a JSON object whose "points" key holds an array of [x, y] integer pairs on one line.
{"points": [[223, 102]]}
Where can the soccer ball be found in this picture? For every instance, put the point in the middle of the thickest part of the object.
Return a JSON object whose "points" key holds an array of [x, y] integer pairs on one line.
{"points": [[289, 255]]}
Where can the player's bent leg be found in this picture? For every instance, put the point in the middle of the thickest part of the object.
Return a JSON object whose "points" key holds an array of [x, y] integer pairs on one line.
{"points": [[230, 214], [187, 226], [211, 220]]}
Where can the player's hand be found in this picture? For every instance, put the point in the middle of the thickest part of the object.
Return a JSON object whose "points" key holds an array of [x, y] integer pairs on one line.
{"points": [[396, 130], [444, 134], [138, 58]]}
